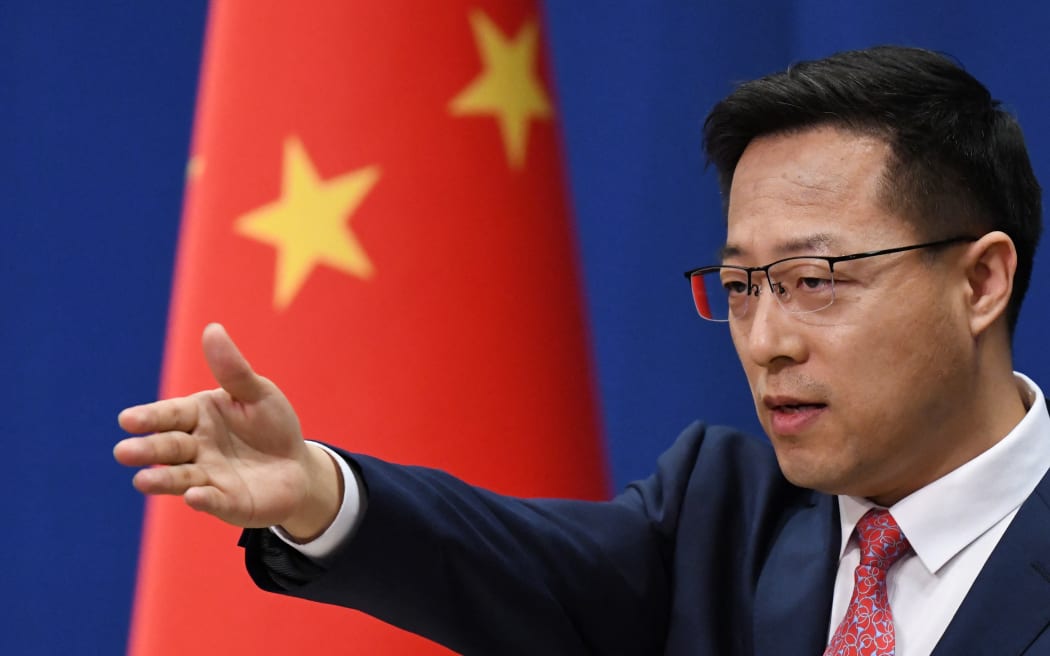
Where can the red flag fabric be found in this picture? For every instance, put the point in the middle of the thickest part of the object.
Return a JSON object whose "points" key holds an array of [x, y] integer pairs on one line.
{"points": [[375, 209]]}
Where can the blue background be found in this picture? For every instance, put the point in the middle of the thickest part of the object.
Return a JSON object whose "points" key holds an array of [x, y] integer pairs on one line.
{"points": [[96, 103]]}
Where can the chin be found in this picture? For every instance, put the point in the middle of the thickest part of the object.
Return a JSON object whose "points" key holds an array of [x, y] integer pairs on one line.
{"points": [[804, 473]]}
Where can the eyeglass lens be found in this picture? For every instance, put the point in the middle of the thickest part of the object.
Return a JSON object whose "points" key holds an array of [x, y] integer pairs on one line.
{"points": [[799, 284]]}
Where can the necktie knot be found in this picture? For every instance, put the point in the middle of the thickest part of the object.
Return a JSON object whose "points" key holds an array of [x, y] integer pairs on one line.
{"points": [[881, 541]]}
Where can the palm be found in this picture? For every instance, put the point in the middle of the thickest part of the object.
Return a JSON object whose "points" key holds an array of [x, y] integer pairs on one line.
{"points": [[246, 455]]}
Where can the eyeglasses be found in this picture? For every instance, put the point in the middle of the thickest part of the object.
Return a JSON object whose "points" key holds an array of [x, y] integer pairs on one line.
{"points": [[800, 284]]}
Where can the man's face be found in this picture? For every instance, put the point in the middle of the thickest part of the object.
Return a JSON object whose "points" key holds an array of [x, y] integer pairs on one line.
{"points": [[860, 398]]}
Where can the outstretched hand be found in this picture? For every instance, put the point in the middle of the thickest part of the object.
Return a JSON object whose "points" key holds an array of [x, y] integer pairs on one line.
{"points": [[236, 452]]}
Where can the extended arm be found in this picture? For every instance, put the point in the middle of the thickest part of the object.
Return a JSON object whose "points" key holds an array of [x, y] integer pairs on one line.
{"points": [[474, 570]]}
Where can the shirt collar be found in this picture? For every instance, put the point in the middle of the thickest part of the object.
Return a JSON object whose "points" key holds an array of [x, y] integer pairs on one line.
{"points": [[943, 518]]}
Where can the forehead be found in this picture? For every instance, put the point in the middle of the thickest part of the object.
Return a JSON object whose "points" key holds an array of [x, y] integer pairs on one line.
{"points": [[816, 190]]}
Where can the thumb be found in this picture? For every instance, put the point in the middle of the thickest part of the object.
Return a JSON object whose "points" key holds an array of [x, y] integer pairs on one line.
{"points": [[228, 366]]}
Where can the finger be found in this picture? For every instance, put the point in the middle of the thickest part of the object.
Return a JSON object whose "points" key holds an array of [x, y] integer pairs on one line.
{"points": [[170, 480], [169, 415], [171, 448], [229, 367], [213, 501], [207, 498]]}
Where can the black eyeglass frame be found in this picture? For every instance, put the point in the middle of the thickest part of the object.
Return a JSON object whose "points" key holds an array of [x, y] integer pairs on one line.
{"points": [[831, 260]]}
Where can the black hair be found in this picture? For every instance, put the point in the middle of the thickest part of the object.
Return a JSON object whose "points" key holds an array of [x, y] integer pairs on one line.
{"points": [[958, 160]]}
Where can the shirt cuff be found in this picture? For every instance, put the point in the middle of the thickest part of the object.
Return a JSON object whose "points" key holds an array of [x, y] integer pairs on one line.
{"points": [[345, 522]]}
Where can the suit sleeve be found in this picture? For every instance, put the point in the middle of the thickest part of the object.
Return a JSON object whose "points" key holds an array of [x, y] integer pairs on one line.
{"points": [[483, 573]]}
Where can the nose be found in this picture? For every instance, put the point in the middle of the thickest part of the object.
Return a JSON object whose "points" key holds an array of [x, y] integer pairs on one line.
{"points": [[771, 334]]}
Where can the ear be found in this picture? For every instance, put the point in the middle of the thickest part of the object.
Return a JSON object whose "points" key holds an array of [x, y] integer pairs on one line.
{"points": [[990, 265]]}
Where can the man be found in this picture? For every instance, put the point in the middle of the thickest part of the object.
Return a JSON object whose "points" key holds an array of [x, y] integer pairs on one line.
{"points": [[882, 218]]}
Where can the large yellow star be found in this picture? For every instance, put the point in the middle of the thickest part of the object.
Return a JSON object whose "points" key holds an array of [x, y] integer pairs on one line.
{"points": [[508, 87], [309, 223]]}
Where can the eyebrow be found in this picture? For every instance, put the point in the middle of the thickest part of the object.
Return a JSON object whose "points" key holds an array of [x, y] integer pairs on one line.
{"points": [[820, 242]]}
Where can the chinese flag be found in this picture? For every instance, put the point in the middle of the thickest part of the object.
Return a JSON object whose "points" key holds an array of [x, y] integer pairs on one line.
{"points": [[375, 209]]}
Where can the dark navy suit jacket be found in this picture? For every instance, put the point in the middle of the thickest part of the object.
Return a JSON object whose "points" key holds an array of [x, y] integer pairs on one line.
{"points": [[716, 553]]}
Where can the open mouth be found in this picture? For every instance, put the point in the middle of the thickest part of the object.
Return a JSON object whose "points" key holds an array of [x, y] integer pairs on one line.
{"points": [[790, 416], [792, 408]]}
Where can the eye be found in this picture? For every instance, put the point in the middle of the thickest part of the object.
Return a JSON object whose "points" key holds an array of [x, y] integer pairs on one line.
{"points": [[735, 287], [805, 276], [733, 281], [813, 284]]}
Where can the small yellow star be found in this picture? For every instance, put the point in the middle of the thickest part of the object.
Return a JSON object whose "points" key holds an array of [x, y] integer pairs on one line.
{"points": [[308, 224], [194, 167], [508, 87]]}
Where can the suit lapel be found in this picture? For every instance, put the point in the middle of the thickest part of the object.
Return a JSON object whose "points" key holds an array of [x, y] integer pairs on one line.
{"points": [[793, 596], [1009, 603]]}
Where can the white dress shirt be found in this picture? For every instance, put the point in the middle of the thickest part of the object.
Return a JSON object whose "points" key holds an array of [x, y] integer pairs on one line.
{"points": [[345, 522], [953, 524]]}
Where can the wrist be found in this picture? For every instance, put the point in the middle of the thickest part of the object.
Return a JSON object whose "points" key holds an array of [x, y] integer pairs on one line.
{"points": [[323, 498]]}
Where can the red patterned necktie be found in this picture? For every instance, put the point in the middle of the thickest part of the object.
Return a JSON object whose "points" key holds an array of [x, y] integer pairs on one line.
{"points": [[867, 628]]}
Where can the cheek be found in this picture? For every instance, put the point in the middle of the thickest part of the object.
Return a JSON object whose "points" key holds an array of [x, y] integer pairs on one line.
{"points": [[739, 337], [901, 373], [930, 338], [752, 371]]}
